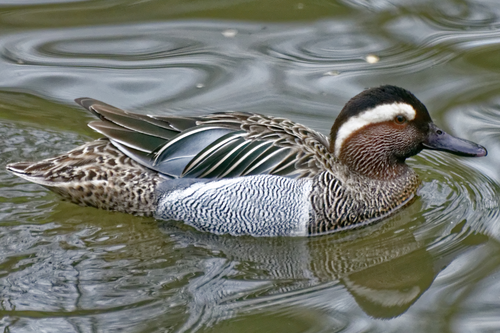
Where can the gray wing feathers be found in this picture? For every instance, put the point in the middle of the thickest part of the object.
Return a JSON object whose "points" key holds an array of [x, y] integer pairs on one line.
{"points": [[176, 154], [233, 155], [130, 138], [220, 145]]}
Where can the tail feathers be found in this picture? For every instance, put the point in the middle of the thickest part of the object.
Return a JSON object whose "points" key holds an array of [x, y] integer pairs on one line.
{"points": [[73, 166], [19, 167], [95, 174], [32, 171]]}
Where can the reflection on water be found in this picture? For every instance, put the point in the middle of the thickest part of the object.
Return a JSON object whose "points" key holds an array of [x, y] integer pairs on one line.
{"points": [[431, 267]]}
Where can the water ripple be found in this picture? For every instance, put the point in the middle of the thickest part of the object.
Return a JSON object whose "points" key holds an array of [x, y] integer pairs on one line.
{"points": [[110, 270], [465, 15], [458, 201], [200, 62]]}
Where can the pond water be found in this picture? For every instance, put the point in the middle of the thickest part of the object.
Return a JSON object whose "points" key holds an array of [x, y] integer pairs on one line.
{"points": [[433, 267]]}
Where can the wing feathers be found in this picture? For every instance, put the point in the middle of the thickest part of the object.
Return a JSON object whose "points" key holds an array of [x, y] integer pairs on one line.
{"points": [[187, 145], [222, 150], [130, 138], [219, 145]]}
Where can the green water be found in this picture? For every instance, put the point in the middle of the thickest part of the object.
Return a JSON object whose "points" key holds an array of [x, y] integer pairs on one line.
{"points": [[433, 267]]}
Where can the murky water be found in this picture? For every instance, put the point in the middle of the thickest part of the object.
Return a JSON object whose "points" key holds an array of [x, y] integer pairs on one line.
{"points": [[433, 267]]}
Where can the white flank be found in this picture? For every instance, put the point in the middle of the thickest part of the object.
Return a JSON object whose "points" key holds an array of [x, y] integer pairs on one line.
{"points": [[379, 114], [303, 219]]}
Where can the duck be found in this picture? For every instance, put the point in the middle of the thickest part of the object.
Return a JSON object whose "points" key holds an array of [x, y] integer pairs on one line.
{"points": [[242, 173]]}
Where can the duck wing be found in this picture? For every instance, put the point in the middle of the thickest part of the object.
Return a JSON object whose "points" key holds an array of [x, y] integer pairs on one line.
{"points": [[219, 145]]}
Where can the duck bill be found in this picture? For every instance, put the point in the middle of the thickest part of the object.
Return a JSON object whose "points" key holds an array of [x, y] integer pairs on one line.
{"points": [[437, 139]]}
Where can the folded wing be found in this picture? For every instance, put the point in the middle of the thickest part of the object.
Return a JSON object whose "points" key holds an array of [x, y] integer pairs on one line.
{"points": [[219, 145]]}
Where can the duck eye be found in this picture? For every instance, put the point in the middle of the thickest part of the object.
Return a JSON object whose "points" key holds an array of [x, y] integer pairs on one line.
{"points": [[400, 119]]}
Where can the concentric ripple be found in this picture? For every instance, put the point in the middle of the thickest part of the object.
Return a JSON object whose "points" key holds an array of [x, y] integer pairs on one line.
{"points": [[197, 63], [465, 15], [457, 201]]}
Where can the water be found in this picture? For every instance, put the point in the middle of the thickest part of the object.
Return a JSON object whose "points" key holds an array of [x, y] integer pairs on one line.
{"points": [[432, 267]]}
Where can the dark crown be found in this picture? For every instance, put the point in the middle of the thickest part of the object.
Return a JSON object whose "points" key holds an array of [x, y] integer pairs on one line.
{"points": [[373, 97]]}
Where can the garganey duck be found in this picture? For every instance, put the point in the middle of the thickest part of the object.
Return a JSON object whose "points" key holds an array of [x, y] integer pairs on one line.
{"points": [[242, 173]]}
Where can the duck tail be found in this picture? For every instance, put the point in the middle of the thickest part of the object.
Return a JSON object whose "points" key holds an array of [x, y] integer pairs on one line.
{"points": [[95, 174], [35, 172]]}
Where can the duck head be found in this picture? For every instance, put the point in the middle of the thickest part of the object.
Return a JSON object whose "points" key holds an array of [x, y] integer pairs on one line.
{"points": [[378, 129]]}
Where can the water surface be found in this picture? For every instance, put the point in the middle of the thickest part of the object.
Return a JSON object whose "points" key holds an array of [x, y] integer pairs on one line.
{"points": [[432, 267]]}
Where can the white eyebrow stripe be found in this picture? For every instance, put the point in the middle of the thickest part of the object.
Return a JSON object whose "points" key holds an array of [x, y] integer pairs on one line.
{"points": [[381, 113]]}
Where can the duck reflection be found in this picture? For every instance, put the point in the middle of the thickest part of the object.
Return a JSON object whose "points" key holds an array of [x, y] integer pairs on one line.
{"points": [[385, 268]]}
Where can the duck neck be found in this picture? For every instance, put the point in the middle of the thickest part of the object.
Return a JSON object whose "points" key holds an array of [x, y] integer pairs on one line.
{"points": [[374, 162]]}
